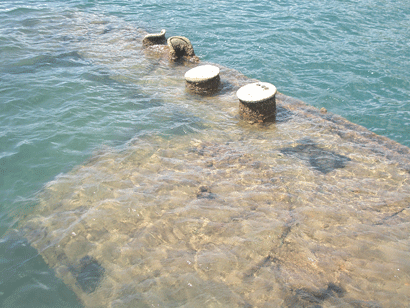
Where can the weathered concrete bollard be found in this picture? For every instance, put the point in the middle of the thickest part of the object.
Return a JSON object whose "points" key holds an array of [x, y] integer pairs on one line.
{"points": [[203, 79], [257, 102], [180, 46], [155, 39]]}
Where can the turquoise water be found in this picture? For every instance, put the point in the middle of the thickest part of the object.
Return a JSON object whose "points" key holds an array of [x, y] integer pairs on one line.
{"points": [[62, 100]]}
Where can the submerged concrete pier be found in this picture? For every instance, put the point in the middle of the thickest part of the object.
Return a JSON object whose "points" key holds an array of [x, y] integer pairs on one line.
{"points": [[313, 211]]}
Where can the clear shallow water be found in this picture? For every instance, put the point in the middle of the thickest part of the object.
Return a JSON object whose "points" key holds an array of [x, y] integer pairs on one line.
{"points": [[75, 84]]}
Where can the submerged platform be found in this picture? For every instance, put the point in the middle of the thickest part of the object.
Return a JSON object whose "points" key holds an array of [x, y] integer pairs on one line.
{"points": [[311, 210]]}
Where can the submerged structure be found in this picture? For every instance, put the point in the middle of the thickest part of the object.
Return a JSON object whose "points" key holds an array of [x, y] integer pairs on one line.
{"points": [[155, 39], [257, 102], [309, 211], [203, 79], [178, 47]]}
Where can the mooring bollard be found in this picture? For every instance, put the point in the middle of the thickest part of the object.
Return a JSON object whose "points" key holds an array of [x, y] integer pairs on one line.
{"points": [[203, 79], [179, 47], [155, 39], [257, 102]]}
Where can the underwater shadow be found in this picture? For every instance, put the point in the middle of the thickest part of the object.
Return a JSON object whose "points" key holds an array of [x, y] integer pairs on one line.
{"points": [[322, 160], [283, 114], [88, 274], [313, 298]]}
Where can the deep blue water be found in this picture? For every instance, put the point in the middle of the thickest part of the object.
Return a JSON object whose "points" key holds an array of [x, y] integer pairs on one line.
{"points": [[57, 106]]}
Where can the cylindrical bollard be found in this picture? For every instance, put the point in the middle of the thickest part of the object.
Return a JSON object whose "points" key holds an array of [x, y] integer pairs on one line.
{"points": [[203, 79], [257, 102]]}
